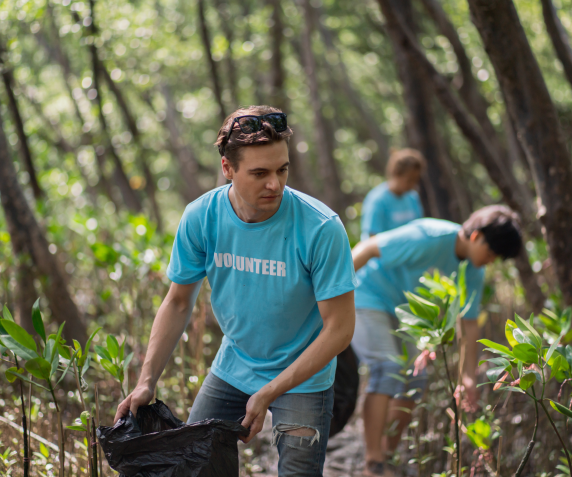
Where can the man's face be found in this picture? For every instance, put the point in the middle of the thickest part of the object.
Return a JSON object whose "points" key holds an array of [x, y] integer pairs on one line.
{"points": [[261, 176], [406, 182], [480, 253]]}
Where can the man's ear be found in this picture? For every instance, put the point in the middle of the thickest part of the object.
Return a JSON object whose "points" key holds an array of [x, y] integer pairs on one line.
{"points": [[475, 235], [227, 169]]}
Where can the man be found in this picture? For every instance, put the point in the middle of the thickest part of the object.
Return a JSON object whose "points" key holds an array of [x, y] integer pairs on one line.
{"points": [[394, 203], [391, 263], [279, 265]]}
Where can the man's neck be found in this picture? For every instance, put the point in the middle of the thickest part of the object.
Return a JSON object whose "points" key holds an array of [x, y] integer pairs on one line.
{"points": [[461, 246], [246, 212], [393, 188]]}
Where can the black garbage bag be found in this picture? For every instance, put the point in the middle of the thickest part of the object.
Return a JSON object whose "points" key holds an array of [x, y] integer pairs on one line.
{"points": [[157, 444], [345, 390]]}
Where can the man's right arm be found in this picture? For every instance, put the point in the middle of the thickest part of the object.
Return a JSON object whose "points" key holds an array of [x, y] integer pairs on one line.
{"points": [[168, 327], [364, 251]]}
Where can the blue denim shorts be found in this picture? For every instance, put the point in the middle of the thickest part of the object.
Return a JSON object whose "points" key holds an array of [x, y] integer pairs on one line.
{"points": [[298, 456], [374, 344]]}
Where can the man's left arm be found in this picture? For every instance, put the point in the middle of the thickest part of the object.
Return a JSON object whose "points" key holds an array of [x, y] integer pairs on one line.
{"points": [[338, 315]]}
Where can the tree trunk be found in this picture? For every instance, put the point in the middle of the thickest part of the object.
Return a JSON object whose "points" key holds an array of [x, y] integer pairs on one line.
{"points": [[8, 80], [25, 231], [477, 105], [559, 37], [536, 123], [420, 125], [298, 174], [183, 153], [323, 138]]}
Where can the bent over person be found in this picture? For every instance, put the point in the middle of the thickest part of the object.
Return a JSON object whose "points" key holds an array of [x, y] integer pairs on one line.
{"points": [[392, 263], [280, 268]]}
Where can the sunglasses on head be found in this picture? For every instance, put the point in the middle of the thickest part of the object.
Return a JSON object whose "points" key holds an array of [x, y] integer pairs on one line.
{"points": [[252, 124]]}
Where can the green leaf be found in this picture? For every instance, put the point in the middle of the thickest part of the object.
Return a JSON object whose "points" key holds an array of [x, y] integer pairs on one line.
{"points": [[102, 353], [525, 326], [7, 314], [509, 327], [110, 367], [37, 321], [512, 389], [85, 353], [12, 377], [561, 409], [520, 337], [39, 368], [112, 346], [526, 353], [57, 340], [452, 314], [85, 415], [44, 450], [127, 361], [405, 316], [495, 373], [422, 308], [553, 347], [448, 336], [77, 428], [122, 350], [555, 366], [24, 378], [527, 380], [17, 348], [64, 351], [70, 364], [20, 335], [496, 346], [462, 282]]}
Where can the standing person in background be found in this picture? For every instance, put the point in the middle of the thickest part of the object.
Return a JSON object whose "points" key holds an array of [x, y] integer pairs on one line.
{"points": [[394, 203], [391, 263]]}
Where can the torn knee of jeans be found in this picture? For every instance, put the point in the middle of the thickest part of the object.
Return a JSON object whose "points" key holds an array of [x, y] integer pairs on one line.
{"points": [[307, 433]]}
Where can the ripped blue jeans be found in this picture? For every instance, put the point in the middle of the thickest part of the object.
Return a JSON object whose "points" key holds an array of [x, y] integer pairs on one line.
{"points": [[298, 456]]}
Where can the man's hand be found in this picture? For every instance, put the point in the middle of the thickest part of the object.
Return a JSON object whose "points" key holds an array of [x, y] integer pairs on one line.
{"points": [[256, 409], [140, 396]]}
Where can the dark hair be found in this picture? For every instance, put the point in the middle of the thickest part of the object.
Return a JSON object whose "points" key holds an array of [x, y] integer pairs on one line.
{"points": [[500, 227], [267, 135], [403, 160]]}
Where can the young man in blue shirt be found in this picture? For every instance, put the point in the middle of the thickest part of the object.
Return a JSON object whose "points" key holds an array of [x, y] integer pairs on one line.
{"points": [[390, 263], [280, 268], [394, 203]]}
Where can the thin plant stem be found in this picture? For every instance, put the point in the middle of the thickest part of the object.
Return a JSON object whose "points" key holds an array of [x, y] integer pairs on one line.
{"points": [[532, 441], [30, 417], [94, 447], [78, 384], [100, 460], [60, 432], [499, 457], [455, 410], [24, 425], [559, 437]]}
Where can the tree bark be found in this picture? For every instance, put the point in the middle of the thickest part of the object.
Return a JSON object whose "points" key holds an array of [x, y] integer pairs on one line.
{"points": [[475, 102], [420, 123], [298, 174], [536, 123], [25, 231], [323, 138], [559, 37], [26, 155], [188, 166]]}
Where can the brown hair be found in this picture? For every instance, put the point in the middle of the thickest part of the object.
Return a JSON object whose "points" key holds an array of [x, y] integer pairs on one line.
{"points": [[404, 160], [267, 135], [500, 227]]}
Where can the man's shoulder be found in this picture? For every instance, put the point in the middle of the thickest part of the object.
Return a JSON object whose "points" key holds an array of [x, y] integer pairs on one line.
{"points": [[207, 201], [434, 227], [310, 207], [379, 192], [421, 230]]}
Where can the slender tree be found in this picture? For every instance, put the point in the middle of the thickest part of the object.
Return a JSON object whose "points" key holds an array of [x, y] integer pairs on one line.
{"points": [[559, 37], [26, 154], [226, 24], [536, 123], [28, 238]]}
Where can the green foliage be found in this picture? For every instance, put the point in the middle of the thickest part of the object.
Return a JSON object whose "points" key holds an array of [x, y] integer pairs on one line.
{"points": [[479, 433], [113, 360]]}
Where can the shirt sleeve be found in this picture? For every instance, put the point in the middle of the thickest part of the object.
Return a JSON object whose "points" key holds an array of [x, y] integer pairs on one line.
{"points": [[188, 257], [475, 280], [373, 219], [332, 268]]}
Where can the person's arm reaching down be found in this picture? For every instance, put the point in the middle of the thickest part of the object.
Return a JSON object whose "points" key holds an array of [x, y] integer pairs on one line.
{"points": [[338, 315], [171, 320], [364, 251]]}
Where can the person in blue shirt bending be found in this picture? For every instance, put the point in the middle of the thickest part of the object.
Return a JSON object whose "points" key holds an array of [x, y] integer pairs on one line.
{"points": [[390, 263], [280, 269], [394, 203]]}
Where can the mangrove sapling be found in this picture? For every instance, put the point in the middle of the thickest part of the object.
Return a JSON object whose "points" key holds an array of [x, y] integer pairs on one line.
{"points": [[42, 363], [527, 364], [25, 433], [431, 319], [112, 358]]}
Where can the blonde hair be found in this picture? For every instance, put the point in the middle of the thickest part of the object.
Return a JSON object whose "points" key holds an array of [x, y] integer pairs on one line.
{"points": [[403, 160]]}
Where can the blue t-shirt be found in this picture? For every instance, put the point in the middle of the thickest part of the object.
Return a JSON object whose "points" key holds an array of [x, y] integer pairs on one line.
{"points": [[382, 210], [266, 280], [406, 253]]}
